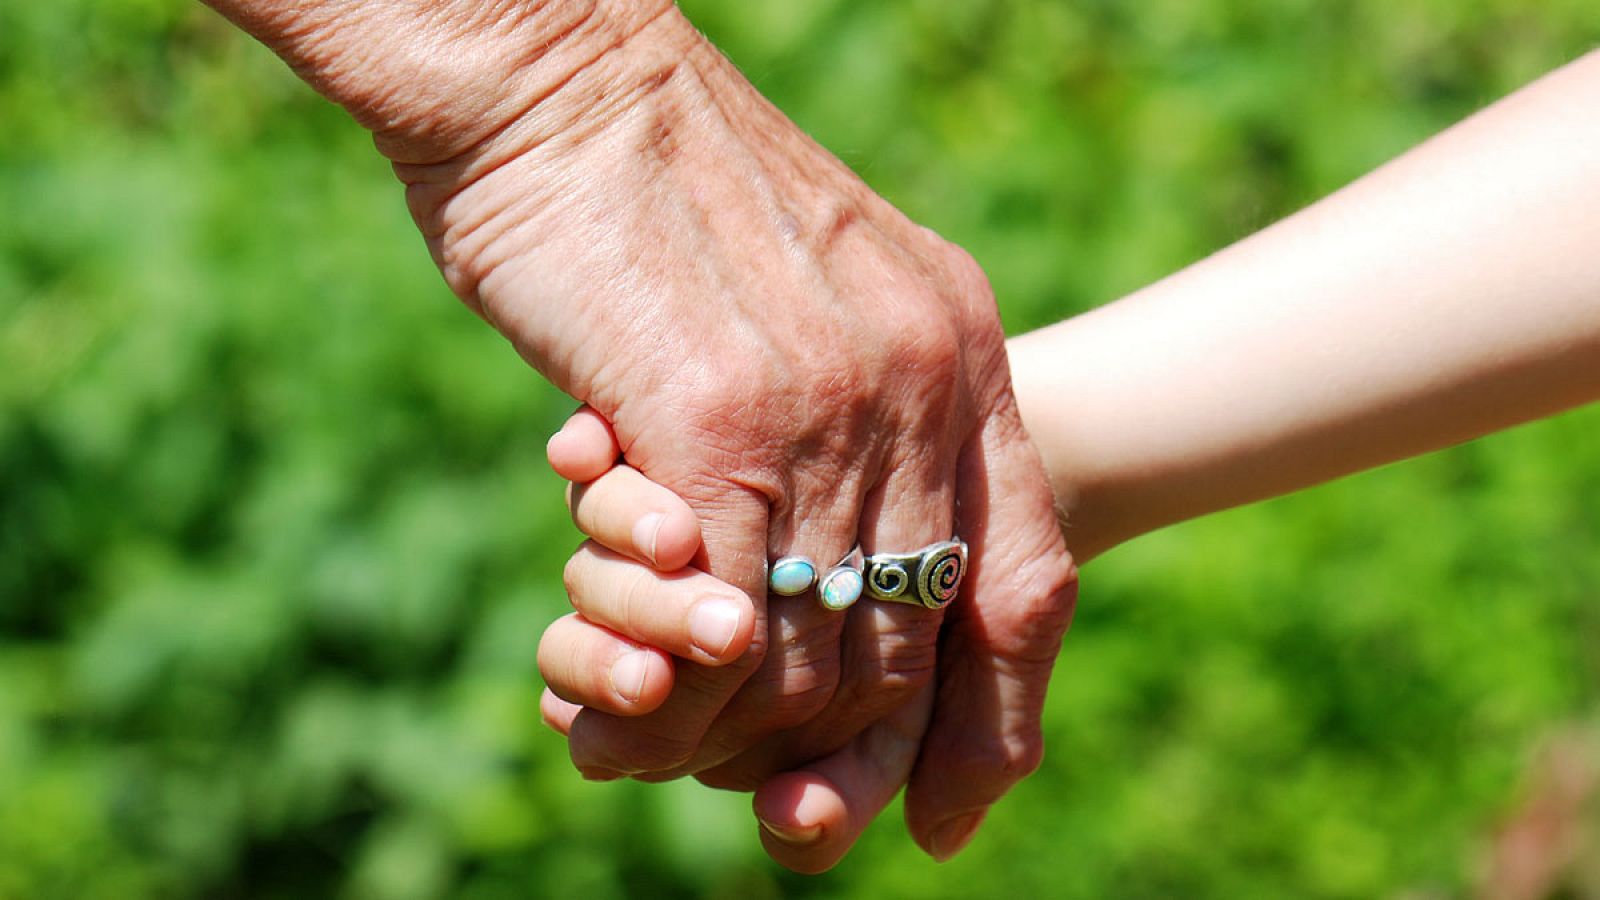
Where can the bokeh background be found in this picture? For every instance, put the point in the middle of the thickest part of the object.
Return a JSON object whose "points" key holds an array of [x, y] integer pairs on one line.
{"points": [[277, 538]]}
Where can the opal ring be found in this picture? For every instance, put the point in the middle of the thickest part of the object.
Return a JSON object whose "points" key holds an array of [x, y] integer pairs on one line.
{"points": [[837, 589], [840, 587], [928, 578], [792, 576]]}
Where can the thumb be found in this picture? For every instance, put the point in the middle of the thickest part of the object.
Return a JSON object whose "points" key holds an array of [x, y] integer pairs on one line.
{"points": [[812, 816], [1000, 642]]}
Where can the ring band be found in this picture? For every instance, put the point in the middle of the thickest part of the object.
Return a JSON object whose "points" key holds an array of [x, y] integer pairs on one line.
{"points": [[929, 578]]}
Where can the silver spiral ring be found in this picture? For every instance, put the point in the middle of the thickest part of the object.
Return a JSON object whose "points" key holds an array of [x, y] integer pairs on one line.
{"points": [[929, 578]]}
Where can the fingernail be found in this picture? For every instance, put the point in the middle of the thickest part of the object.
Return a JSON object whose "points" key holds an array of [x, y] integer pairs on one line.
{"points": [[794, 837], [628, 674], [713, 624], [645, 532], [555, 439], [948, 839]]}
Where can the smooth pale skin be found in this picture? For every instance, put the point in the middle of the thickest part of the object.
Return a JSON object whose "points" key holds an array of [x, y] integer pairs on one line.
{"points": [[603, 187], [1451, 293]]}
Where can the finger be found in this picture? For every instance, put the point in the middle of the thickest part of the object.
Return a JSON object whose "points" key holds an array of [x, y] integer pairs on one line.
{"points": [[891, 649], [629, 513], [557, 713], [812, 816], [800, 674], [590, 666], [686, 613], [584, 448], [888, 650], [734, 524], [999, 644]]}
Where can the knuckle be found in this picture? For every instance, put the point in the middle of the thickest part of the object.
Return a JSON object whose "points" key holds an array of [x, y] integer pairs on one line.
{"points": [[636, 596], [1004, 760], [785, 695], [900, 661], [562, 658], [572, 574], [631, 745], [663, 755], [1021, 756], [1042, 623], [976, 312], [929, 351], [657, 753], [717, 421], [800, 702], [966, 276]]}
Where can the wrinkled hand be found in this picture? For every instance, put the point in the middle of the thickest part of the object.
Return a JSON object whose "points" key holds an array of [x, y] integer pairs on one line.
{"points": [[772, 341], [629, 580]]}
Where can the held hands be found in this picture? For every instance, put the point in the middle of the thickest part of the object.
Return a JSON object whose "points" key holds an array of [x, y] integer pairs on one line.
{"points": [[810, 371], [638, 607], [772, 342]]}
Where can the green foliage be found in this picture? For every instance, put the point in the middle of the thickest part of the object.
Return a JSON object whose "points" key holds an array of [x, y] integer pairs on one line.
{"points": [[277, 539]]}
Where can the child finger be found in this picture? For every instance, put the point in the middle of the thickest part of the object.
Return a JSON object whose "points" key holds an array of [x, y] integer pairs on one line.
{"points": [[587, 665], [686, 613], [557, 713], [584, 448], [632, 515]]}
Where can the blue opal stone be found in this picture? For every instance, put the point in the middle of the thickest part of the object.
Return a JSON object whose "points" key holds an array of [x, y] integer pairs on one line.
{"points": [[840, 589], [792, 576]]}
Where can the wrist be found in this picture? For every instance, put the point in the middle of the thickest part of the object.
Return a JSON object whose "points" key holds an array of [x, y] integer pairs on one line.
{"points": [[1072, 412]]}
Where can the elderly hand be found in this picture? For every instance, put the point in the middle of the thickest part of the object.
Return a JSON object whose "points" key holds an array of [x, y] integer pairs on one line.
{"points": [[774, 343], [630, 582]]}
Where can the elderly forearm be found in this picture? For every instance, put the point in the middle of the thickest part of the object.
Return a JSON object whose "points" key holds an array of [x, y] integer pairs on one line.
{"points": [[1451, 293], [431, 78]]}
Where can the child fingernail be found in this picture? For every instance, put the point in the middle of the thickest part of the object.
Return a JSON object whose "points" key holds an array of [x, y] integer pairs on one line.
{"points": [[551, 446], [628, 674], [794, 837], [713, 624], [645, 533]]}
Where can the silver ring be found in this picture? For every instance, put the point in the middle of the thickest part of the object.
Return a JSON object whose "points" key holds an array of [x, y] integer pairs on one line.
{"points": [[929, 578], [837, 589]]}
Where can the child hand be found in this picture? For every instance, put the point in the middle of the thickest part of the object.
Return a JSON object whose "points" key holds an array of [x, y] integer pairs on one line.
{"points": [[636, 604]]}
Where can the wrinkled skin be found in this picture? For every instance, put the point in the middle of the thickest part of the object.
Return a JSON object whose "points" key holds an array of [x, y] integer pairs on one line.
{"points": [[772, 341]]}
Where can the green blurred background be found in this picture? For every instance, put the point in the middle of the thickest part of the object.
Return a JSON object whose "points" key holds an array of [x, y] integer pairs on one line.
{"points": [[277, 539]]}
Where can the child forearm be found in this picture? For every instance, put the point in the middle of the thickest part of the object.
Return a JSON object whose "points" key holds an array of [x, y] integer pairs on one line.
{"points": [[1453, 292]]}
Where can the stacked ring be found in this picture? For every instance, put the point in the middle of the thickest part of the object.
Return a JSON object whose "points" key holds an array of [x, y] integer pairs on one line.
{"points": [[929, 578], [792, 576], [837, 589], [840, 587]]}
